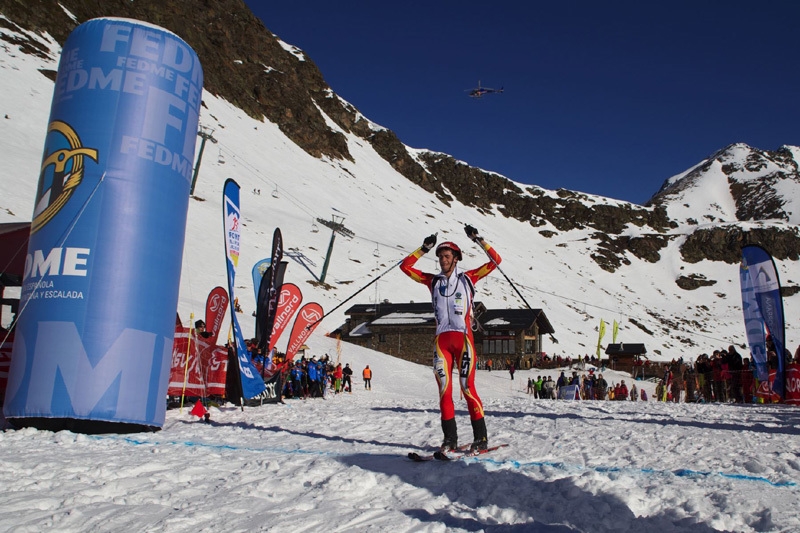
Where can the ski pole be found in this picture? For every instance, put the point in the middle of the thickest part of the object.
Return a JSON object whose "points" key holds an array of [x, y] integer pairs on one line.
{"points": [[474, 239], [354, 294]]}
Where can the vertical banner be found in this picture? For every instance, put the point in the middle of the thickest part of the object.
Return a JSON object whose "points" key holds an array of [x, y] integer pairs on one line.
{"points": [[216, 305], [288, 304], [600, 336], [763, 312], [307, 320], [102, 272], [265, 317], [267, 301], [614, 331], [258, 272], [252, 384]]}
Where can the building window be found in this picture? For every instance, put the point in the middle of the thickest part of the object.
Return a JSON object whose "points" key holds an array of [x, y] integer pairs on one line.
{"points": [[382, 337], [499, 346], [530, 346]]}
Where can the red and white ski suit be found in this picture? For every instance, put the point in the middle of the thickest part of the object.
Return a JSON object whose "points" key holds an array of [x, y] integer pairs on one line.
{"points": [[454, 344]]}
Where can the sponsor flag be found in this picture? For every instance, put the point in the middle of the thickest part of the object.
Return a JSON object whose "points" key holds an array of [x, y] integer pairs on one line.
{"points": [[307, 319], [288, 303], [252, 384], [265, 312], [763, 313], [216, 305], [600, 337], [258, 272], [267, 301], [614, 332]]}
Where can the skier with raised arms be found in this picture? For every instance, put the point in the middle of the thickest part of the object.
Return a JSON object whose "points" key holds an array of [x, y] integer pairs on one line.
{"points": [[452, 291]]}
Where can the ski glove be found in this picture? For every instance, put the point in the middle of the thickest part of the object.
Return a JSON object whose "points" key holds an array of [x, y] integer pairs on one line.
{"points": [[472, 233], [428, 243]]}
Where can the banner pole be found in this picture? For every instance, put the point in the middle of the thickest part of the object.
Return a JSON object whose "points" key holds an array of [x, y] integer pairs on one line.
{"points": [[186, 365]]}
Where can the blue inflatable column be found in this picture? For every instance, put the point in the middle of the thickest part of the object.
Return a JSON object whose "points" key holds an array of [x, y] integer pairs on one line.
{"points": [[97, 311]]}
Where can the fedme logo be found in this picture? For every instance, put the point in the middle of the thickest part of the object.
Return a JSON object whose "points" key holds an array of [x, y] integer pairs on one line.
{"points": [[59, 261]]}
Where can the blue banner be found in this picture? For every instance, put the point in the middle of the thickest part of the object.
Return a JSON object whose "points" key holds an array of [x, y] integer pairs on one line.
{"points": [[252, 384], [258, 272], [763, 313], [103, 266]]}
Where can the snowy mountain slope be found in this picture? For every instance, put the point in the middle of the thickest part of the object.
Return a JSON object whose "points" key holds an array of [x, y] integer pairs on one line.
{"points": [[738, 183], [554, 267]]}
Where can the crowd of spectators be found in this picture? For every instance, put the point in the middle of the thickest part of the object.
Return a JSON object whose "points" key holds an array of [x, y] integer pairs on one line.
{"points": [[724, 376], [315, 378], [590, 386], [539, 360]]}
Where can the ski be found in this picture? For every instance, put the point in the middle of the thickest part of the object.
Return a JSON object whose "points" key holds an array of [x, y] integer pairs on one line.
{"points": [[458, 454], [419, 458]]}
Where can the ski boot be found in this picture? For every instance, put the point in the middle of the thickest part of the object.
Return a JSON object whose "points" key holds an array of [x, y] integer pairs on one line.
{"points": [[480, 441], [450, 442]]}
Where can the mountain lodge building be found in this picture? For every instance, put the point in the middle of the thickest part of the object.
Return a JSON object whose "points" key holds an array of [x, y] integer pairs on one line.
{"points": [[407, 330]]}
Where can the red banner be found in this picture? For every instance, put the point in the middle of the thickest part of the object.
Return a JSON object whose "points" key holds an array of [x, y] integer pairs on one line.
{"points": [[307, 319], [288, 303], [216, 305], [792, 384], [208, 365], [5, 359], [765, 394]]}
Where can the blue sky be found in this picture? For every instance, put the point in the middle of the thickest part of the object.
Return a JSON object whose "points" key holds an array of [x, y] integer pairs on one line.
{"points": [[608, 98]]}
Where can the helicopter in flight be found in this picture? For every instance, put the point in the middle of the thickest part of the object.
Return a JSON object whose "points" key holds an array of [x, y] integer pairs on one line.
{"points": [[480, 90]]}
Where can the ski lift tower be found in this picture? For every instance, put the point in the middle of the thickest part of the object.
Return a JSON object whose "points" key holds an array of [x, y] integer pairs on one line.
{"points": [[337, 226], [207, 135]]}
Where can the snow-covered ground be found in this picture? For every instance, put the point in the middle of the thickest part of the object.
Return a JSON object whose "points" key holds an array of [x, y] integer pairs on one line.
{"points": [[340, 465]]}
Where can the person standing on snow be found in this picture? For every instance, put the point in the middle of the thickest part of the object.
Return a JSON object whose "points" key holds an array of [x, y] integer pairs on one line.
{"points": [[452, 291], [367, 375], [347, 372]]}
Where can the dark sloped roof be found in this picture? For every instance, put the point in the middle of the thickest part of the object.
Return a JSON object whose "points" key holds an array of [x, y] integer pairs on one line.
{"points": [[626, 349], [494, 319], [387, 314], [384, 308]]}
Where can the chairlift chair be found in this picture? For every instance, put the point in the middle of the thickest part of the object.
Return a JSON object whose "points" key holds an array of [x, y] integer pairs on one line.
{"points": [[275, 193]]}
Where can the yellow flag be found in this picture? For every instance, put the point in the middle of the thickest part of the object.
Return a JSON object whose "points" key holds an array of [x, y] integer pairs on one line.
{"points": [[614, 331], [600, 338]]}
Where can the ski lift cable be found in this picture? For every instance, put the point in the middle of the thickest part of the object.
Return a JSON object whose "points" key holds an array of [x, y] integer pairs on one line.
{"points": [[648, 319], [255, 172], [284, 193], [292, 199]]}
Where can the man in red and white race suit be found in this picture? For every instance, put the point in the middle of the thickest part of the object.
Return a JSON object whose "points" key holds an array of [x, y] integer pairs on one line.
{"points": [[452, 291]]}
